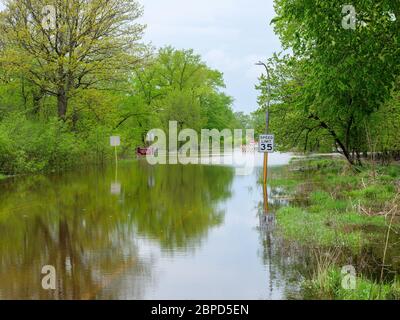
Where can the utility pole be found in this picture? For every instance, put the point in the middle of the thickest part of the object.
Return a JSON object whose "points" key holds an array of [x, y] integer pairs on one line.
{"points": [[266, 118], [260, 63]]}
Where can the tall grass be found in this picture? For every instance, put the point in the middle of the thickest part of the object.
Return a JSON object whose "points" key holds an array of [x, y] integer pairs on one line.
{"points": [[345, 210]]}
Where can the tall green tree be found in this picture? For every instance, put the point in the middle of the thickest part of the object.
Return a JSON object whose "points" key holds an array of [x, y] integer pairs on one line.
{"points": [[337, 77], [64, 46], [176, 85]]}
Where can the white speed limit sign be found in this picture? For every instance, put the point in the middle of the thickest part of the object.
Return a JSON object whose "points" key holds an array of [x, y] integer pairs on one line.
{"points": [[115, 141], [266, 143]]}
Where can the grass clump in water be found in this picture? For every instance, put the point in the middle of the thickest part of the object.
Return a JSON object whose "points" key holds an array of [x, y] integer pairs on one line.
{"points": [[327, 284], [288, 184], [344, 207], [323, 229], [347, 210], [321, 164], [328, 222]]}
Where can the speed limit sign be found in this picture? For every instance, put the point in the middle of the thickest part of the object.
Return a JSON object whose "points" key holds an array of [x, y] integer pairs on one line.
{"points": [[266, 143]]}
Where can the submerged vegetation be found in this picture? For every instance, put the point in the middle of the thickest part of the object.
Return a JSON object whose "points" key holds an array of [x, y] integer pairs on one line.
{"points": [[338, 213]]}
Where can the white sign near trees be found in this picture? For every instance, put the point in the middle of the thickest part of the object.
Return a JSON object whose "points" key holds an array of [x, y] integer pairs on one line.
{"points": [[266, 143], [115, 141]]}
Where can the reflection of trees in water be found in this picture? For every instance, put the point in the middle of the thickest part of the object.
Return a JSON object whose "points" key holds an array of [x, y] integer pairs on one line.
{"points": [[74, 223], [181, 206], [62, 223]]}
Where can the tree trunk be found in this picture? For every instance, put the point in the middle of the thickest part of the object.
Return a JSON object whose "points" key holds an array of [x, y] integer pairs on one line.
{"points": [[75, 119], [37, 98], [62, 104], [349, 157], [339, 143]]}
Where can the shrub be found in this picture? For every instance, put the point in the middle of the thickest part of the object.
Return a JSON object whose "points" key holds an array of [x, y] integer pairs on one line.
{"points": [[28, 146]]}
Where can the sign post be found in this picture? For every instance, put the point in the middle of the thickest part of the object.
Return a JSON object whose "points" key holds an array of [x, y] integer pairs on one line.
{"points": [[115, 141], [266, 145]]}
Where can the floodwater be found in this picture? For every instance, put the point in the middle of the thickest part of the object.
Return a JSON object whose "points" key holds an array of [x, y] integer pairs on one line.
{"points": [[144, 232], [160, 232]]}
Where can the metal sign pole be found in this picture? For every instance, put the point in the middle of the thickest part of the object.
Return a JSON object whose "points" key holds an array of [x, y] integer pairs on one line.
{"points": [[265, 168], [265, 189], [266, 131], [265, 182], [267, 119]]}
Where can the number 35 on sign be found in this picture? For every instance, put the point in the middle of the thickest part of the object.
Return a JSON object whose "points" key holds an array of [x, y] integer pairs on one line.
{"points": [[266, 143]]}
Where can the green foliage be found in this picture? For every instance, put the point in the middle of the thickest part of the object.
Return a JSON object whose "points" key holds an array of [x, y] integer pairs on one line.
{"points": [[335, 212], [88, 45], [321, 164], [176, 85], [375, 192], [32, 140], [340, 207], [217, 109], [99, 80], [180, 106], [31, 146], [331, 92], [384, 125], [326, 226]]}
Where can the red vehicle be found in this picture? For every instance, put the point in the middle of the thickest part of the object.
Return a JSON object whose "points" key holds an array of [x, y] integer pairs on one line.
{"points": [[144, 151]]}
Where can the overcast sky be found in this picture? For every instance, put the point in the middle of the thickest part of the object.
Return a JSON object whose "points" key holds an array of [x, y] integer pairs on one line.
{"points": [[231, 35]]}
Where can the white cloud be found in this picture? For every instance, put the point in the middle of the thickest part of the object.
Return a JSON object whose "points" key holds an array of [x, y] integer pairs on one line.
{"points": [[221, 60]]}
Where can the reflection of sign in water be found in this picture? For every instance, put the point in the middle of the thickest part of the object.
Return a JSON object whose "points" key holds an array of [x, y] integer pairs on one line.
{"points": [[267, 222], [266, 143], [115, 141], [115, 188]]}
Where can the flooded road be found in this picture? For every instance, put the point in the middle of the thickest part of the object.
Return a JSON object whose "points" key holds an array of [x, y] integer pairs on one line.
{"points": [[162, 232]]}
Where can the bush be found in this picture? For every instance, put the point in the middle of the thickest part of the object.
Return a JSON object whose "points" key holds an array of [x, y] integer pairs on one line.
{"points": [[28, 146]]}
